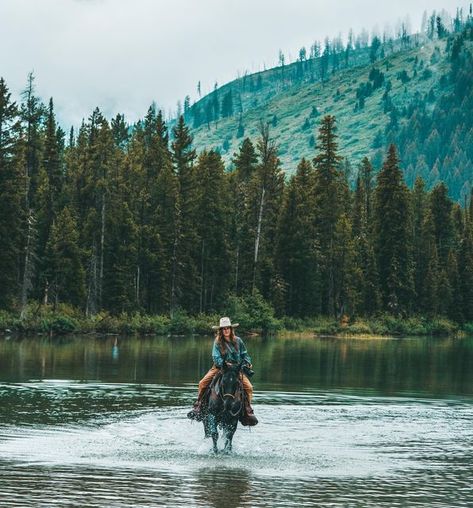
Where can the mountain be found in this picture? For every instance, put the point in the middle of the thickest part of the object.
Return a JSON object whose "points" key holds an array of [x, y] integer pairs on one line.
{"points": [[408, 91]]}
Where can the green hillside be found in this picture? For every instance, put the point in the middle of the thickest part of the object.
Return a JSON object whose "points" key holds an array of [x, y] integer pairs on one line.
{"points": [[372, 99]]}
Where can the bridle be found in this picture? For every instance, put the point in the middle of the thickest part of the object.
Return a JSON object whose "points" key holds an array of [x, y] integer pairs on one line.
{"points": [[224, 395]]}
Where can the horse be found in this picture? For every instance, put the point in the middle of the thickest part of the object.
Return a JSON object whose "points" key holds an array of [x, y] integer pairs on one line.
{"points": [[225, 405]]}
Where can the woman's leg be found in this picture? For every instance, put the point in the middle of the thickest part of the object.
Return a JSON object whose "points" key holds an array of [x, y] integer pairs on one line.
{"points": [[196, 413], [206, 380], [248, 387], [248, 417]]}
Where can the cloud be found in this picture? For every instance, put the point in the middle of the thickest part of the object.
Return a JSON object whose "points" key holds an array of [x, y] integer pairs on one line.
{"points": [[122, 55]]}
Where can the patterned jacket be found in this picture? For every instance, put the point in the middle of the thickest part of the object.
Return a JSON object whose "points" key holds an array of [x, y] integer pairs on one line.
{"points": [[230, 354]]}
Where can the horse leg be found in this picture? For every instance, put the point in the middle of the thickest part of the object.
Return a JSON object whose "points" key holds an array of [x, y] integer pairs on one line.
{"points": [[211, 430], [215, 439], [229, 432]]}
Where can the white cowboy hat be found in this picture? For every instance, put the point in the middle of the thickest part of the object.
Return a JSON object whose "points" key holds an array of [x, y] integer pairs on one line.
{"points": [[224, 322]]}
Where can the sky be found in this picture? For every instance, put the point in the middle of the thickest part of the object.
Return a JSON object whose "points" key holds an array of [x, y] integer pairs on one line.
{"points": [[121, 55]]}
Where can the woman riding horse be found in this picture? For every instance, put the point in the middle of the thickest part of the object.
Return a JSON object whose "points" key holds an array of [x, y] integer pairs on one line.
{"points": [[229, 349]]}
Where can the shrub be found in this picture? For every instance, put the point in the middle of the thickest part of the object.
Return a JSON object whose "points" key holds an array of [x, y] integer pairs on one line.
{"points": [[253, 312], [442, 326], [203, 323], [361, 327], [468, 328], [181, 323], [59, 324]]}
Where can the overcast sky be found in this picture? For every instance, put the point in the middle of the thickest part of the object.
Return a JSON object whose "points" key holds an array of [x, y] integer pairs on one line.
{"points": [[121, 55]]}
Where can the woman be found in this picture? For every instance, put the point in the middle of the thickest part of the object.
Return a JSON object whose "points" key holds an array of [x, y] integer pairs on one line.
{"points": [[227, 348]]}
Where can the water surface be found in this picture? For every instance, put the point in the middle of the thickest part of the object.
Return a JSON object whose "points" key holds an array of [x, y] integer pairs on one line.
{"points": [[101, 422]]}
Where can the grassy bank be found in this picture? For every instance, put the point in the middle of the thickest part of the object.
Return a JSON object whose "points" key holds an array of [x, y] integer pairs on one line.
{"points": [[46, 320]]}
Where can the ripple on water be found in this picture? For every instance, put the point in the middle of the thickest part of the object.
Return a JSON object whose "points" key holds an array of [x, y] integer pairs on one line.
{"points": [[348, 451]]}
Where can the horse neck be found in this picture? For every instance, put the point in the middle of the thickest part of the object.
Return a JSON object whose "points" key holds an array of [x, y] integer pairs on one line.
{"points": [[227, 380]]}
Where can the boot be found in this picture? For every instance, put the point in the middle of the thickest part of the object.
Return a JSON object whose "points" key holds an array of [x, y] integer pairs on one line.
{"points": [[248, 417], [196, 412]]}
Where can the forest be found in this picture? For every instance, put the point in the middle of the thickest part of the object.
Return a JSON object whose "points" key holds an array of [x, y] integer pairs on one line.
{"points": [[131, 220]]}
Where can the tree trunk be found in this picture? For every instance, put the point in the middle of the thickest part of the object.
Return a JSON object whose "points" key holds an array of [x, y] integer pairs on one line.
{"points": [[102, 242], [202, 278], [236, 268], [28, 268], [258, 235]]}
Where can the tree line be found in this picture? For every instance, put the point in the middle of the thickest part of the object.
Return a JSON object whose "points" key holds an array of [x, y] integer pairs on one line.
{"points": [[131, 219]]}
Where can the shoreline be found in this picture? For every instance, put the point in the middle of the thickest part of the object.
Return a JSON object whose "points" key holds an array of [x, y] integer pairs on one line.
{"points": [[63, 320]]}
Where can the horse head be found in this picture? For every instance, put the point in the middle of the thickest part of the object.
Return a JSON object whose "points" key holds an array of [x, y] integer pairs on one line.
{"points": [[230, 389]]}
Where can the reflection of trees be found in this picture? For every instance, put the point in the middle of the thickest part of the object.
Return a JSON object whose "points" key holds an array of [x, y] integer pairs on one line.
{"points": [[223, 487], [388, 366]]}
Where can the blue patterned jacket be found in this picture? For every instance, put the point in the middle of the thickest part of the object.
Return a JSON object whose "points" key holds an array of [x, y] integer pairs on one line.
{"points": [[231, 354]]}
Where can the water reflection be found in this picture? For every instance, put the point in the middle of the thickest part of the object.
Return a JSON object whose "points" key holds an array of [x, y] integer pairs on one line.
{"points": [[222, 486], [115, 351], [397, 366]]}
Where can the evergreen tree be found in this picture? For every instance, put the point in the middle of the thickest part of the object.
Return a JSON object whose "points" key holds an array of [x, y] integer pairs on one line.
{"points": [[419, 214], [329, 191], [365, 276], [212, 227], [392, 237], [265, 197], [465, 273], [429, 290], [245, 162], [345, 269], [11, 199], [64, 271], [120, 132], [94, 166], [32, 113], [296, 254], [441, 209], [185, 287]]}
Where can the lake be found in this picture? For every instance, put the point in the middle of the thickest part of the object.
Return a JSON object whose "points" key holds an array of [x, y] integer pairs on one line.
{"points": [[101, 421]]}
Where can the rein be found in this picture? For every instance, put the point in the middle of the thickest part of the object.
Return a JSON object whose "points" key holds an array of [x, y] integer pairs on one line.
{"points": [[223, 395]]}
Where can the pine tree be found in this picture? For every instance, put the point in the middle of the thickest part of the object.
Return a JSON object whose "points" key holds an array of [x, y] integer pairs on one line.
{"points": [[329, 190], [120, 132], [265, 197], [94, 166], [245, 162], [212, 227], [392, 237], [185, 286], [11, 199], [465, 272], [31, 114], [441, 208], [428, 295], [296, 255], [365, 275], [419, 213], [345, 269], [64, 271]]}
